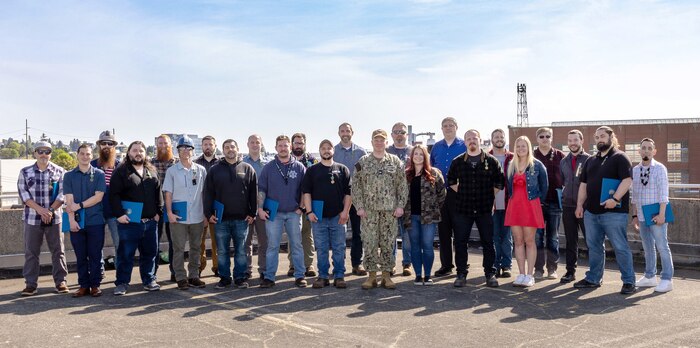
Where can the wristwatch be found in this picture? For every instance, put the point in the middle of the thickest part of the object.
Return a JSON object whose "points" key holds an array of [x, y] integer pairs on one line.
{"points": [[81, 205], [52, 210], [303, 209]]}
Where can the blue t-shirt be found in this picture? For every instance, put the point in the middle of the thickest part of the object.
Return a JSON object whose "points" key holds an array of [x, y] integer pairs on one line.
{"points": [[83, 186], [442, 155]]}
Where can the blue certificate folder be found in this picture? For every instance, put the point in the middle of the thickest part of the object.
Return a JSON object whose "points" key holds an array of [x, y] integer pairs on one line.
{"points": [[317, 208], [651, 210], [271, 207], [65, 223], [218, 210], [133, 210], [179, 209], [607, 190]]}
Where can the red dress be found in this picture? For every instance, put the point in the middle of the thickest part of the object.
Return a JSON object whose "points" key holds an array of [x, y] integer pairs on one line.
{"points": [[522, 211]]}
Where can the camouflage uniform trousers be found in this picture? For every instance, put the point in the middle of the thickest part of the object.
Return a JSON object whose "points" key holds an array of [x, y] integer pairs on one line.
{"points": [[307, 243], [378, 235]]}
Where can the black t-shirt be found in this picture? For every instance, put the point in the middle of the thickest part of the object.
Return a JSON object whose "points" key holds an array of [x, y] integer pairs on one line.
{"points": [[415, 195], [614, 165], [327, 184], [473, 160]]}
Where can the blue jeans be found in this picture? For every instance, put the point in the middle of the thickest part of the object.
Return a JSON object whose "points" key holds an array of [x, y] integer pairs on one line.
{"points": [[227, 230], [655, 238], [291, 222], [405, 244], [613, 226], [552, 219], [329, 235], [141, 236], [87, 245], [422, 253], [502, 240]]}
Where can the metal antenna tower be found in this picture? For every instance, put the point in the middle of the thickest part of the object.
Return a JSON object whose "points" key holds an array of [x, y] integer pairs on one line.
{"points": [[522, 106]]}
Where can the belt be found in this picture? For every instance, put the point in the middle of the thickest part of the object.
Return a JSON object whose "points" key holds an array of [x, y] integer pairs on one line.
{"points": [[143, 221]]}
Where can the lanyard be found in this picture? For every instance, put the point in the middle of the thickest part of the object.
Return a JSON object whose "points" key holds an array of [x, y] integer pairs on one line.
{"points": [[285, 176]]}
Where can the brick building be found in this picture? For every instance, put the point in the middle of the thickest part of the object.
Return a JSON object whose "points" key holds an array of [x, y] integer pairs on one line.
{"points": [[677, 141]]}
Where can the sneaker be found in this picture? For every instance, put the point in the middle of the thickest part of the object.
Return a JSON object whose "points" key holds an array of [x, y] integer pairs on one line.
{"points": [[418, 281], [62, 288], [585, 284], [340, 283], [300, 282], [519, 280], [539, 275], [529, 281], [182, 285], [460, 281], [121, 289], [152, 286], [310, 272], [223, 283], [491, 281], [427, 281], [568, 278], [197, 283], [628, 289], [241, 283], [506, 273], [443, 271], [320, 283], [664, 286], [645, 282], [359, 270], [498, 272], [28, 291], [290, 273], [267, 283], [248, 275], [406, 270], [552, 275]]}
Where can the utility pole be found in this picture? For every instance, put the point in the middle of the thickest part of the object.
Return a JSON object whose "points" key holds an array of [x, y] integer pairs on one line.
{"points": [[26, 138]]}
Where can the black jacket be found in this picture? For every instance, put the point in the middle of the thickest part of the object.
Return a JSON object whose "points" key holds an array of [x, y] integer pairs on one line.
{"points": [[127, 185], [235, 186]]}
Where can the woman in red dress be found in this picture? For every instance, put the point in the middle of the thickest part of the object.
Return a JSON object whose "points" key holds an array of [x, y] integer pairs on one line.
{"points": [[527, 187]]}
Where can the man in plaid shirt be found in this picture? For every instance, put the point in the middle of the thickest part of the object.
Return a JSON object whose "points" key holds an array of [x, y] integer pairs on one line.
{"points": [[164, 160], [40, 187]]}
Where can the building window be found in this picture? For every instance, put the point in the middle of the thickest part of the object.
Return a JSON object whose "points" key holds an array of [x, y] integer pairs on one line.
{"points": [[565, 150], [632, 151], [675, 178], [678, 152]]}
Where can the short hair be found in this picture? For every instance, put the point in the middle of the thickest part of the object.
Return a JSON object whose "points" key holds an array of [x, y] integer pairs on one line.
{"points": [[84, 146], [228, 141], [400, 124], [346, 124], [281, 138], [208, 137], [473, 131], [449, 119], [299, 135], [649, 140], [577, 132], [498, 130], [544, 129]]}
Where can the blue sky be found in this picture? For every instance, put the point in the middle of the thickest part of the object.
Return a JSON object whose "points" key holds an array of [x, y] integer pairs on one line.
{"points": [[233, 68]]}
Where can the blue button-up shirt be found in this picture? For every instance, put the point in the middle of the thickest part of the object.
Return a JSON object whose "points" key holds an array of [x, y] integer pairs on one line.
{"points": [[187, 185], [348, 157], [441, 155], [83, 186], [257, 165]]}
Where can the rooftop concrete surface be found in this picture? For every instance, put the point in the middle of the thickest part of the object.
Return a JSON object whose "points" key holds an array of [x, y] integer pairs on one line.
{"points": [[548, 315]]}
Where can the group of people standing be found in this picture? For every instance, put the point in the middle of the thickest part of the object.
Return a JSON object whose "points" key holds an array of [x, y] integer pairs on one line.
{"points": [[517, 201]]}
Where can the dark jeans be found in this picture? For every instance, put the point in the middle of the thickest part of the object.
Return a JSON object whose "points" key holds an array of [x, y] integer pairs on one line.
{"points": [[143, 237], [165, 226], [445, 229], [356, 245], [548, 238], [571, 227], [502, 240], [463, 228], [87, 245]]}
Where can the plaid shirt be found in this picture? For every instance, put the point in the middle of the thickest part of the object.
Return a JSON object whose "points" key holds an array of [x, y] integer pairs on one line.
{"points": [[552, 161], [475, 194], [162, 167], [37, 185], [656, 189]]}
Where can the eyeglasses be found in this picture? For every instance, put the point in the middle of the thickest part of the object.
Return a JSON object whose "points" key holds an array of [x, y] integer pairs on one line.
{"points": [[43, 152], [298, 143], [545, 136], [107, 143], [397, 132]]}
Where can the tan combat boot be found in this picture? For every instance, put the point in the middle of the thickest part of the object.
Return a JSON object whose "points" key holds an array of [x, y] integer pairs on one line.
{"points": [[371, 281], [386, 281]]}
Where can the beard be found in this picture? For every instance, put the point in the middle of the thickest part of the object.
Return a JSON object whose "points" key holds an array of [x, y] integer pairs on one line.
{"points": [[345, 138], [604, 146], [574, 148], [499, 144], [108, 157], [326, 156], [164, 155], [473, 147], [208, 152], [646, 158], [298, 152], [137, 162]]}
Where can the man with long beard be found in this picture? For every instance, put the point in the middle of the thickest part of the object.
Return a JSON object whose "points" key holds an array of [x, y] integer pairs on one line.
{"points": [[207, 160], [107, 161], [164, 160]]}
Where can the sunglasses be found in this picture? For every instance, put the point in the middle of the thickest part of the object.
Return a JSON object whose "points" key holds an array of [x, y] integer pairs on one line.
{"points": [[43, 152], [108, 143], [545, 136], [397, 132]]}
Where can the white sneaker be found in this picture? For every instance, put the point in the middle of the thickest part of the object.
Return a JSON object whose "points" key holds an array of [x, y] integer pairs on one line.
{"points": [[664, 286], [519, 280], [552, 275], [645, 282], [529, 281]]}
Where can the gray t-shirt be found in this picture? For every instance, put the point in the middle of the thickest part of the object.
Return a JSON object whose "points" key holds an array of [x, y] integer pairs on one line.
{"points": [[501, 195]]}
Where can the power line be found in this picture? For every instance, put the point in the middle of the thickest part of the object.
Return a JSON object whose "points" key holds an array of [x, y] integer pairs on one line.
{"points": [[60, 134]]}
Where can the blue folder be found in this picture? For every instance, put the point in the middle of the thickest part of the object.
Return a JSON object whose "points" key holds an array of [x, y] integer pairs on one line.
{"points": [[607, 190], [651, 210], [179, 209], [271, 207], [559, 192], [54, 192], [317, 208], [218, 210], [65, 223], [133, 210]]}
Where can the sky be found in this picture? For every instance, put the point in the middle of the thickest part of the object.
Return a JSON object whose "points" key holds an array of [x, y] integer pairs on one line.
{"points": [[235, 68]]}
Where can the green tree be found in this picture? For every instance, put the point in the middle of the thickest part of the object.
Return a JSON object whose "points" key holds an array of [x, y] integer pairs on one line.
{"points": [[64, 159], [8, 153]]}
